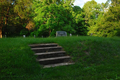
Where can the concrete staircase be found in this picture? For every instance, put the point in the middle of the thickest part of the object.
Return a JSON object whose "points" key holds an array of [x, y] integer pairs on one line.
{"points": [[50, 55]]}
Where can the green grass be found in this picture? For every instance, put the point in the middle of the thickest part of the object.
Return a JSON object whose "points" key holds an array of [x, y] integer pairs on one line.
{"points": [[95, 59]]}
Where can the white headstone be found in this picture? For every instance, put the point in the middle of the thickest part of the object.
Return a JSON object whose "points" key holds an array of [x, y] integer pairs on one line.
{"points": [[24, 36], [70, 34]]}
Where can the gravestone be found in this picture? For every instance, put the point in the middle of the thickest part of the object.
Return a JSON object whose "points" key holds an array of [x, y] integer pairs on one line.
{"points": [[61, 33], [24, 36], [5, 36], [91, 34], [70, 34]]}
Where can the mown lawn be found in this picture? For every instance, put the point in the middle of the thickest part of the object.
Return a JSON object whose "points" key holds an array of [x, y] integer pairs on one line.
{"points": [[95, 59]]}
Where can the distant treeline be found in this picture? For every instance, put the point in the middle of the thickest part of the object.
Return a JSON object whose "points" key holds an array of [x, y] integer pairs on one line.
{"points": [[45, 17]]}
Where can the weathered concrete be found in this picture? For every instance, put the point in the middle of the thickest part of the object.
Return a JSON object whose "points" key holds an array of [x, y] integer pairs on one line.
{"points": [[61, 33], [50, 55]]}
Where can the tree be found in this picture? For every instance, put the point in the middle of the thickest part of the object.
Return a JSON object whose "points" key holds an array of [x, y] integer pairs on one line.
{"points": [[91, 10], [11, 8], [80, 26], [2, 11], [53, 15], [109, 24]]}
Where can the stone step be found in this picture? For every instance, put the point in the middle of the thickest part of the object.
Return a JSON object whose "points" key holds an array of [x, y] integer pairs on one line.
{"points": [[50, 54], [54, 60], [47, 53], [47, 49], [59, 64], [43, 45], [46, 59]]}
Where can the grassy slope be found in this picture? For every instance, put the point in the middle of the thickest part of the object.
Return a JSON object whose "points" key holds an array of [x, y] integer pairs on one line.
{"points": [[95, 59]]}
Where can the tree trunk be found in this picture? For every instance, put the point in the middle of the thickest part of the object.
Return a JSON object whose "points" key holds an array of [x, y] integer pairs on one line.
{"points": [[0, 31], [6, 21], [49, 30], [6, 18], [1, 25]]}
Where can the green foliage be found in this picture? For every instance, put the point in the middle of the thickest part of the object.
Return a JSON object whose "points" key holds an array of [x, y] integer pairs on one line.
{"points": [[45, 17], [81, 27], [24, 32], [107, 25], [92, 10], [79, 21], [77, 9], [22, 7], [53, 17], [89, 8], [13, 15]]}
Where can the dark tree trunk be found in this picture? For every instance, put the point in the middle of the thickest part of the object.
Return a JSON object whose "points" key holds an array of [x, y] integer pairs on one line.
{"points": [[0, 31], [1, 25], [49, 30], [6, 17]]}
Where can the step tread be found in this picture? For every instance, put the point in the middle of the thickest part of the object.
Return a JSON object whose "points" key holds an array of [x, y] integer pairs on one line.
{"points": [[45, 53], [47, 48], [59, 64], [54, 58], [43, 44]]}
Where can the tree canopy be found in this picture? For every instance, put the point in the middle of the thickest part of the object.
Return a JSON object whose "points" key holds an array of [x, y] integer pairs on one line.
{"points": [[13, 13], [45, 17], [53, 16], [108, 25]]}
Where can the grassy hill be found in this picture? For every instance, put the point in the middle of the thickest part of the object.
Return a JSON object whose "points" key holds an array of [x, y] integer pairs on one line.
{"points": [[95, 59]]}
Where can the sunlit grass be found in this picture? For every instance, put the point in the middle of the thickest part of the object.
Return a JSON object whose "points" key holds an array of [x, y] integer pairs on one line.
{"points": [[95, 59]]}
